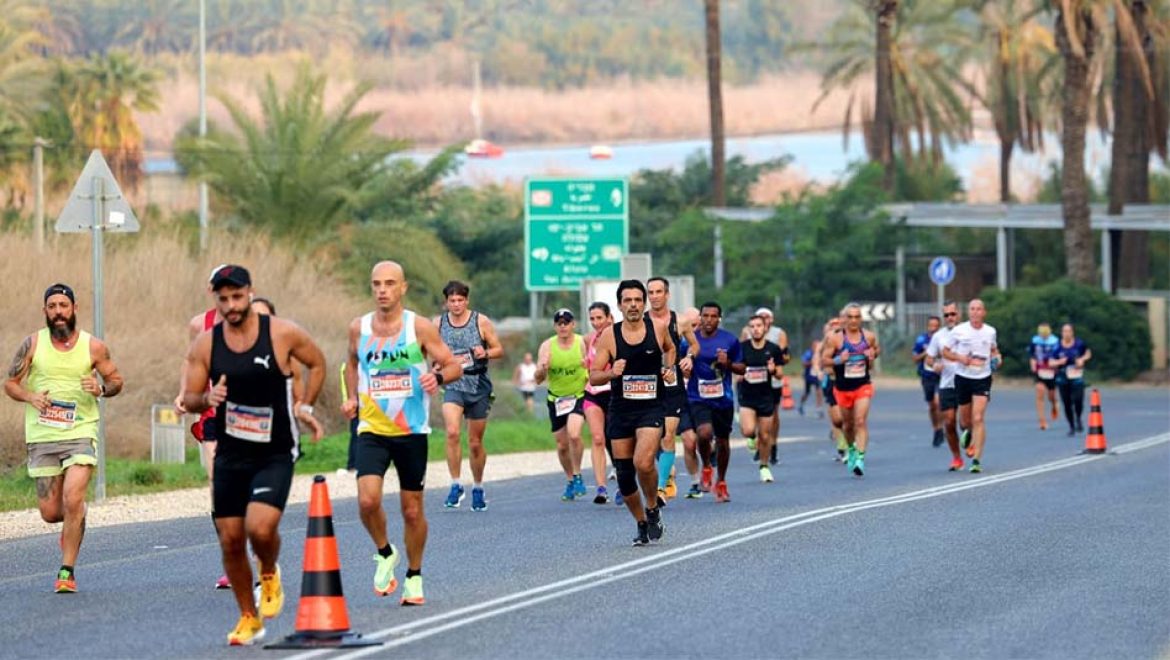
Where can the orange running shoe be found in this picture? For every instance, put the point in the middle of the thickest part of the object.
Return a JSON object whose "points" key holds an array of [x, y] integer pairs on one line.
{"points": [[705, 480], [721, 492], [956, 465], [66, 583]]}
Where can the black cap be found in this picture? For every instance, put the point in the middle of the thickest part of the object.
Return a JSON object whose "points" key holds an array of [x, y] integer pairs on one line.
{"points": [[562, 314], [62, 289], [230, 275]]}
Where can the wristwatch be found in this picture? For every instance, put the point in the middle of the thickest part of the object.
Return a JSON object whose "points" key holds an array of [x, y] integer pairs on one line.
{"points": [[439, 377], [305, 408]]}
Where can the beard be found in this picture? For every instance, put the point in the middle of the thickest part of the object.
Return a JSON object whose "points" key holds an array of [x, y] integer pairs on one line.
{"points": [[61, 332], [244, 313]]}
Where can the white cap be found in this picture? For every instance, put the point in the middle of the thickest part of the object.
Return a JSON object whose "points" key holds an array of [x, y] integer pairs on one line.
{"points": [[764, 311]]}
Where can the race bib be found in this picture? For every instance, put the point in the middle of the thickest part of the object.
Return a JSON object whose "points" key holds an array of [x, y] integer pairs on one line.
{"points": [[564, 405], [856, 368], [639, 387], [1074, 373], [756, 375], [59, 415], [711, 389], [466, 359], [1046, 374], [251, 423], [393, 384], [978, 361]]}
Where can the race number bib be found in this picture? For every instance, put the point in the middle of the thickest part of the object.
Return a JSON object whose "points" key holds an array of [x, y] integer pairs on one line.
{"points": [[564, 405], [756, 375], [1074, 373], [639, 387], [1046, 374], [711, 389], [392, 384], [59, 415], [856, 368], [251, 423], [978, 361], [466, 359]]}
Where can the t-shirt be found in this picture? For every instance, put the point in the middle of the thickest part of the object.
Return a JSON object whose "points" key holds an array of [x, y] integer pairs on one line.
{"points": [[709, 383], [755, 384], [806, 358], [1070, 370], [920, 344], [967, 340], [934, 351], [1042, 348]]}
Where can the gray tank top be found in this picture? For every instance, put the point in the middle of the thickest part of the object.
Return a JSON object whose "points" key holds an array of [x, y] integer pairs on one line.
{"points": [[461, 339]]}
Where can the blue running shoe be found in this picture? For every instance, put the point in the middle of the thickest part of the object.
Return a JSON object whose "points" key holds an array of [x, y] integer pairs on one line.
{"points": [[579, 489], [478, 503], [570, 493], [454, 497], [617, 497]]}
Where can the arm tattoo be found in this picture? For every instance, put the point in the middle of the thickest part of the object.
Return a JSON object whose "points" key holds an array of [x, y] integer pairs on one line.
{"points": [[17, 367]]}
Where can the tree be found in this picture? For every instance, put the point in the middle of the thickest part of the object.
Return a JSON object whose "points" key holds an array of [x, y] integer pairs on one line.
{"points": [[885, 12], [22, 73], [715, 103]]}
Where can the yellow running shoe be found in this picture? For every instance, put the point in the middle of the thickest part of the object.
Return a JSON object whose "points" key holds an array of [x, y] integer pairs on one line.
{"points": [[412, 591], [248, 631], [271, 595], [671, 489]]}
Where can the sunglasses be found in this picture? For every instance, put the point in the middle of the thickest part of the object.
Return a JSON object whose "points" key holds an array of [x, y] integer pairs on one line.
{"points": [[563, 322], [950, 314]]}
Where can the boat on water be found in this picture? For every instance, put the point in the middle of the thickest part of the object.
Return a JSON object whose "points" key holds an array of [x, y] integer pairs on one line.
{"points": [[600, 152], [480, 148]]}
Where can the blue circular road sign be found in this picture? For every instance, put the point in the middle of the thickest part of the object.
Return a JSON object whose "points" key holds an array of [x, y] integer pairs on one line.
{"points": [[942, 270]]}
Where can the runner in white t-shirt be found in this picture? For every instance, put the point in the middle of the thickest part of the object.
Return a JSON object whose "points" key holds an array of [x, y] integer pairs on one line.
{"points": [[947, 399], [973, 346]]}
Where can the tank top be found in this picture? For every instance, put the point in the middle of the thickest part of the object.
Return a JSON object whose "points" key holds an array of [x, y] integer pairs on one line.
{"points": [[854, 372], [527, 377], [566, 375], [590, 353], [257, 417], [462, 339], [391, 402], [73, 412], [639, 385]]}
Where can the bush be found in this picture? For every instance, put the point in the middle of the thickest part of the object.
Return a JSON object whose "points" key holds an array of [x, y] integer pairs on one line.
{"points": [[146, 475], [1117, 334]]}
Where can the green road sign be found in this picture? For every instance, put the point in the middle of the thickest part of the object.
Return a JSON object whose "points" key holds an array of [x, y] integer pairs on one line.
{"points": [[574, 229]]}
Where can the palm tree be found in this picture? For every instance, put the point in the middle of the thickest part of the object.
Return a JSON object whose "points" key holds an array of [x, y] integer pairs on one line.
{"points": [[885, 13], [160, 26], [715, 102]]}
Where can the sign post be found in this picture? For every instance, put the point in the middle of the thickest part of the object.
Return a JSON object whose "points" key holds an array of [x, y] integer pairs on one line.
{"points": [[96, 206], [942, 273], [574, 229]]}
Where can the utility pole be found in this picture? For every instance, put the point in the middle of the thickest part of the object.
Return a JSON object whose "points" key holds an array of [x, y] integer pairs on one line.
{"points": [[203, 220], [39, 145]]}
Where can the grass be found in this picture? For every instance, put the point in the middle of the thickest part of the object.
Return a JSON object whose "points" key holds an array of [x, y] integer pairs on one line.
{"points": [[133, 477]]}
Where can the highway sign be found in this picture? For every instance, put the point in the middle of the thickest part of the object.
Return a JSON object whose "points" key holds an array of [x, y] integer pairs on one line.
{"points": [[574, 229]]}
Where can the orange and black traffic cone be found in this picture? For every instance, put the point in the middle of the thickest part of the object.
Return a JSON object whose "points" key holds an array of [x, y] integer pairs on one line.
{"points": [[322, 621], [1095, 441], [786, 401]]}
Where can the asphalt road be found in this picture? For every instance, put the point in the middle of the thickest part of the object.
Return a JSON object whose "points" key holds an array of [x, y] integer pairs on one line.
{"points": [[1046, 554]]}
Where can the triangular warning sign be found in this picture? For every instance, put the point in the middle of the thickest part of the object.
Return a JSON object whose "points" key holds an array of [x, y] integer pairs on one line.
{"points": [[96, 180]]}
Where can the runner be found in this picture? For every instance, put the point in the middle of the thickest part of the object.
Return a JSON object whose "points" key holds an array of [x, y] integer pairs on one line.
{"points": [[850, 354], [471, 336], [1070, 357], [561, 360], [973, 345], [686, 424], [778, 336], [709, 394], [673, 396], [390, 385], [812, 377], [1040, 351], [828, 380], [947, 398], [762, 360], [524, 379], [247, 358], [597, 400], [928, 377], [67, 370], [636, 356]]}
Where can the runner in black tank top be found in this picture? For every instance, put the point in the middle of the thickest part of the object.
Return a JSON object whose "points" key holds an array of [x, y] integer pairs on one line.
{"points": [[673, 397], [636, 392], [255, 421]]}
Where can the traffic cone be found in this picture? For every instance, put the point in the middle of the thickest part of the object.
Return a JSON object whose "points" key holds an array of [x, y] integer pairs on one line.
{"points": [[786, 401], [1095, 441], [322, 621]]}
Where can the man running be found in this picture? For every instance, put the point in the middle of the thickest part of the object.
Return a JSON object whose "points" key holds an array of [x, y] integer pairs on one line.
{"points": [[597, 400], [1070, 357], [948, 400], [686, 424], [762, 361], [68, 370], [524, 379], [674, 396], [391, 381], [812, 377], [928, 377], [778, 336], [850, 354], [828, 381], [635, 356], [247, 357], [561, 361], [1040, 351], [471, 336], [709, 394], [973, 345]]}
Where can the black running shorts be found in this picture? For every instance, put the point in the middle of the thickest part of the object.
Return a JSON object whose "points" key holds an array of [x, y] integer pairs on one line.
{"points": [[374, 454], [238, 481], [718, 418], [948, 399], [965, 388], [623, 424]]}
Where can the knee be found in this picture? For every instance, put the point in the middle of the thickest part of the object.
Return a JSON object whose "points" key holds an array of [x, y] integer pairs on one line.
{"points": [[645, 463], [369, 502], [626, 476], [262, 535], [74, 504], [475, 443], [52, 514], [233, 542], [453, 435], [412, 514]]}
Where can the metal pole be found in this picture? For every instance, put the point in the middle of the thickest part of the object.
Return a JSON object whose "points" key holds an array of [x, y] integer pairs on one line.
{"points": [[718, 255], [941, 296], [533, 315], [1001, 266], [203, 220], [900, 295], [99, 216], [39, 186], [1106, 261]]}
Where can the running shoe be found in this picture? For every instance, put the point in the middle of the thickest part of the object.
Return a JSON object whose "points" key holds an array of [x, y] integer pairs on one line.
{"points": [[965, 439], [643, 537], [766, 474], [775, 455], [223, 582], [859, 466], [756, 456], [601, 497], [671, 488], [706, 479], [1080, 427], [721, 495], [384, 581], [454, 496], [478, 503], [412, 591], [956, 465], [612, 476], [579, 489], [1055, 413], [1043, 425], [654, 526], [851, 458], [695, 492], [248, 631], [271, 594], [66, 582], [570, 493], [751, 443], [976, 467], [1072, 432], [617, 498], [939, 436], [840, 457]]}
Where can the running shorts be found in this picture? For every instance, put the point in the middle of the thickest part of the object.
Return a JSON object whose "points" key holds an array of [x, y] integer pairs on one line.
{"points": [[374, 454]]}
